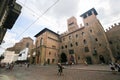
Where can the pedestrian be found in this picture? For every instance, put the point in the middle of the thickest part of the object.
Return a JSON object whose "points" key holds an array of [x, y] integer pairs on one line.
{"points": [[117, 66], [60, 69], [7, 66], [27, 65], [86, 63], [112, 67], [11, 66]]}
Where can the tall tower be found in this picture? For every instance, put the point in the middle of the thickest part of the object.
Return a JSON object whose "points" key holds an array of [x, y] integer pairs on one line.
{"points": [[89, 16], [97, 34], [72, 24]]}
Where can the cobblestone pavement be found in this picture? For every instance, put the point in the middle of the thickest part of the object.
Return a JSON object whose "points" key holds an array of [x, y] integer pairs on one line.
{"points": [[50, 73]]}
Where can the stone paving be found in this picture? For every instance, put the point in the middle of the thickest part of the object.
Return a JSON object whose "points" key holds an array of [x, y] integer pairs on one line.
{"points": [[77, 72], [100, 67]]}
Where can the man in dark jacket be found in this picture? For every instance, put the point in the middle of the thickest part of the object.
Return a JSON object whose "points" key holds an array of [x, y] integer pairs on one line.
{"points": [[60, 70]]}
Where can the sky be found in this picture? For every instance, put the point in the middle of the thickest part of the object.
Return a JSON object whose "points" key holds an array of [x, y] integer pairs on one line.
{"points": [[39, 14]]}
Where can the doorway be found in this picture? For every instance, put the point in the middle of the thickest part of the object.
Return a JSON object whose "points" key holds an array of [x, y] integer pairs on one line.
{"points": [[101, 58], [63, 58], [48, 61], [88, 60]]}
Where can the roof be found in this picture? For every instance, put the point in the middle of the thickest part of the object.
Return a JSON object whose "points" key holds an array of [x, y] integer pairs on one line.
{"points": [[88, 12], [44, 30], [27, 38], [73, 32]]}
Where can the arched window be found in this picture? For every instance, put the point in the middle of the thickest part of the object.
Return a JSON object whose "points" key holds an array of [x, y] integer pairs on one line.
{"points": [[91, 31], [49, 53], [96, 39], [76, 35], [69, 37], [76, 43], [65, 46], [84, 41], [82, 33], [71, 45]]}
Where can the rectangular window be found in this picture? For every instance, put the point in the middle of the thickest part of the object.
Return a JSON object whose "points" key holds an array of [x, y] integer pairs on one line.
{"points": [[71, 51], [53, 46], [94, 52], [86, 49]]}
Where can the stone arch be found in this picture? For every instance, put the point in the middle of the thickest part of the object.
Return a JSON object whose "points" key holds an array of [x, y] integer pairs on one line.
{"points": [[101, 58], [48, 61], [89, 60], [63, 58]]}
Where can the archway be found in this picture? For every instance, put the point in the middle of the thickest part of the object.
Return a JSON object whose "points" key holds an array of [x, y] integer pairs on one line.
{"points": [[101, 58], [88, 60], [63, 58], [72, 59], [48, 61]]}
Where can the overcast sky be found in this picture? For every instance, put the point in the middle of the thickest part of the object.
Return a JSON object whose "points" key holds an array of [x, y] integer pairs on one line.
{"points": [[56, 17]]}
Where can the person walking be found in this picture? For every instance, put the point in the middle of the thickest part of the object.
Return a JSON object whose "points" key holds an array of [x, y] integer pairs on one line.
{"points": [[117, 66], [28, 64], [60, 69], [112, 67], [7, 66], [11, 66]]}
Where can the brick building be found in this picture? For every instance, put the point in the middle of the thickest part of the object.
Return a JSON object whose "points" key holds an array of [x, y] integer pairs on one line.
{"points": [[79, 45], [25, 42], [47, 47], [87, 43], [113, 35]]}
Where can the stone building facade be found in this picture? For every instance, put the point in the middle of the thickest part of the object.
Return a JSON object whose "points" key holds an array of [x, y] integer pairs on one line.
{"points": [[9, 12], [113, 35], [26, 42], [79, 44], [47, 47], [85, 44]]}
